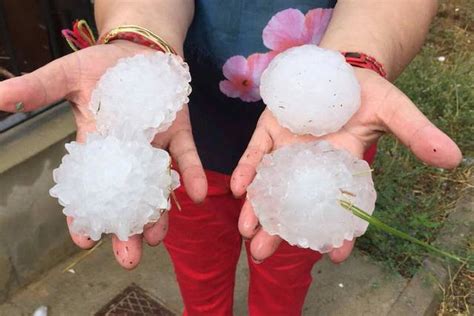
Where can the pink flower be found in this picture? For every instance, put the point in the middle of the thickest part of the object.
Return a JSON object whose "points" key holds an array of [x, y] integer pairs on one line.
{"points": [[317, 22], [289, 28], [243, 76]]}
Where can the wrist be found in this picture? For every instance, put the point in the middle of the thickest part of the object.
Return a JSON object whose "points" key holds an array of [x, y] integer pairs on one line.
{"points": [[361, 60], [137, 35], [81, 36], [169, 19], [380, 55]]}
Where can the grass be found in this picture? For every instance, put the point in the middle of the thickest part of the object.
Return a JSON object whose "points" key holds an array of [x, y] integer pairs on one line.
{"points": [[416, 198], [457, 296]]}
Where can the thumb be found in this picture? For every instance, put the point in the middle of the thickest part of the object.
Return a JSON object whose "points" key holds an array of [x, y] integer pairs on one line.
{"points": [[183, 150], [44, 86], [412, 128], [260, 144]]}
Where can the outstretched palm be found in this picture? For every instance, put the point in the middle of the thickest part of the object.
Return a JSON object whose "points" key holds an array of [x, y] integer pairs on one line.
{"points": [[74, 77], [384, 109]]}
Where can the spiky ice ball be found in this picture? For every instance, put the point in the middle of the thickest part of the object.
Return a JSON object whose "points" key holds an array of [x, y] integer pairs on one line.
{"points": [[111, 186], [296, 194], [310, 90], [141, 93]]}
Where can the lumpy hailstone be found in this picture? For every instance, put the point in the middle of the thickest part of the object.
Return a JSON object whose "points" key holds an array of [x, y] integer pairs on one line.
{"points": [[141, 93], [111, 186], [117, 182], [310, 90], [296, 191]]}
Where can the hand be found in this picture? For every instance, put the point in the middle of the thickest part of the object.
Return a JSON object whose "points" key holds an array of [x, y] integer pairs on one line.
{"points": [[74, 77], [384, 108]]}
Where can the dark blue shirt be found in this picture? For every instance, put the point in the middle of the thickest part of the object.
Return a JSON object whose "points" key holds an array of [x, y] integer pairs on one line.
{"points": [[222, 126]]}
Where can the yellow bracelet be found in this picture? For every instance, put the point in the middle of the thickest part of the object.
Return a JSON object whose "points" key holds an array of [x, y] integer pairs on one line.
{"points": [[139, 35]]}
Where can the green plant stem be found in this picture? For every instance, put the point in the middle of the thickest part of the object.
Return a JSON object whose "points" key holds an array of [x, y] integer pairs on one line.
{"points": [[382, 226]]}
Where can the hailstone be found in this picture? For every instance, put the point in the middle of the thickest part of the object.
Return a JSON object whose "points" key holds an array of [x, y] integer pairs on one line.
{"points": [[116, 182], [296, 194], [310, 90], [113, 186], [141, 93]]}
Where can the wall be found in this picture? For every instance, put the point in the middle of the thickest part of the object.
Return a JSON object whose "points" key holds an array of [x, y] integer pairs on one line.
{"points": [[33, 232]]}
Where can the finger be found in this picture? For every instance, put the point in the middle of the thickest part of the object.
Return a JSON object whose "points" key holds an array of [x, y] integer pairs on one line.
{"points": [[128, 253], [248, 222], [260, 144], [183, 150], [44, 86], [156, 232], [263, 245], [338, 255], [84, 242], [414, 130]]}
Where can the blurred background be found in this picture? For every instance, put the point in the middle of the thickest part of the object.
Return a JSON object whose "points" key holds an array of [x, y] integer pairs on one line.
{"points": [[30, 36], [413, 197]]}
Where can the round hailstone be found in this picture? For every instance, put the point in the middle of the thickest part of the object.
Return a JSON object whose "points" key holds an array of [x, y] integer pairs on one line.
{"points": [[111, 186], [141, 93], [296, 194], [310, 90]]}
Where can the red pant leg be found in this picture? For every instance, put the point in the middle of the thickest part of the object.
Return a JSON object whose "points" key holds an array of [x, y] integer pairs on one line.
{"points": [[278, 285], [369, 155], [204, 244]]}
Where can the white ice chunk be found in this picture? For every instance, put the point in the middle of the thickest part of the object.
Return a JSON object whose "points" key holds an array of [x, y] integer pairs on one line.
{"points": [[310, 90], [109, 185], [296, 191], [142, 93]]}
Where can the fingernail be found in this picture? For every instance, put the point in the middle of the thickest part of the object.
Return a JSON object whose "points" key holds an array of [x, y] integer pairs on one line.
{"points": [[256, 261], [19, 106]]}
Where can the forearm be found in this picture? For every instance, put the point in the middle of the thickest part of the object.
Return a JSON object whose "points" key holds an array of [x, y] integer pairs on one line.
{"points": [[391, 31], [170, 19]]}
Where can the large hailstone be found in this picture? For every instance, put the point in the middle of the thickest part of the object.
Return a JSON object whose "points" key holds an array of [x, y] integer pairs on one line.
{"points": [[113, 186], [296, 194], [310, 90], [142, 93]]}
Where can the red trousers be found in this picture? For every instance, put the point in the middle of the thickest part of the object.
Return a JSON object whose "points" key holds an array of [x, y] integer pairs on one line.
{"points": [[204, 244]]}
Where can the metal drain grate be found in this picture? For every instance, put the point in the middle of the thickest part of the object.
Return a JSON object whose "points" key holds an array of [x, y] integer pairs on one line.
{"points": [[134, 301]]}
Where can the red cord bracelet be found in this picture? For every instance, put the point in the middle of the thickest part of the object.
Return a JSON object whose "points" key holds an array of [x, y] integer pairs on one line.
{"points": [[362, 60]]}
